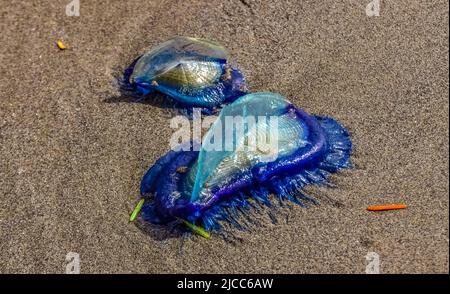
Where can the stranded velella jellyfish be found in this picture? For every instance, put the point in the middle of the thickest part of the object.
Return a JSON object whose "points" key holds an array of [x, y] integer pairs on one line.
{"points": [[277, 150], [194, 72]]}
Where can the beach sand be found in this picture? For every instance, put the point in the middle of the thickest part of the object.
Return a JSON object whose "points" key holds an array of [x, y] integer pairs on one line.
{"points": [[73, 151]]}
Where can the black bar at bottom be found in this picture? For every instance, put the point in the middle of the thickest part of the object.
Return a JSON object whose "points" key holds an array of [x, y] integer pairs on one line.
{"points": [[224, 283]]}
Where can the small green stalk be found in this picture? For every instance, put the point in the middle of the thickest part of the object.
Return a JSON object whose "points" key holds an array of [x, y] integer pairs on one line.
{"points": [[137, 209], [198, 230]]}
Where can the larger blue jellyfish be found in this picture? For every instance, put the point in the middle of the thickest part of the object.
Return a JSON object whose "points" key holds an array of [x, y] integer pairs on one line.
{"points": [[210, 186]]}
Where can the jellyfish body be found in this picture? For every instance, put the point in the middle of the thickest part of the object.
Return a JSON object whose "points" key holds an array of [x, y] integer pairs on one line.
{"points": [[192, 71], [232, 170]]}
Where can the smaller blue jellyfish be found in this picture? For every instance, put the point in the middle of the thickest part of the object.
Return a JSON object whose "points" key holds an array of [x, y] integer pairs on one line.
{"points": [[194, 72], [215, 185]]}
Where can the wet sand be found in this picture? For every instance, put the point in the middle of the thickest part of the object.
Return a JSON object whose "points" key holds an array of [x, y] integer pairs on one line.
{"points": [[73, 152]]}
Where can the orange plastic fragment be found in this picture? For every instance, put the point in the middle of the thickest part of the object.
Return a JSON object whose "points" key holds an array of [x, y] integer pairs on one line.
{"points": [[386, 207]]}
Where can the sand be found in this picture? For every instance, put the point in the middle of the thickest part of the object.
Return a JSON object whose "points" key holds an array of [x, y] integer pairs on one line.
{"points": [[73, 152]]}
